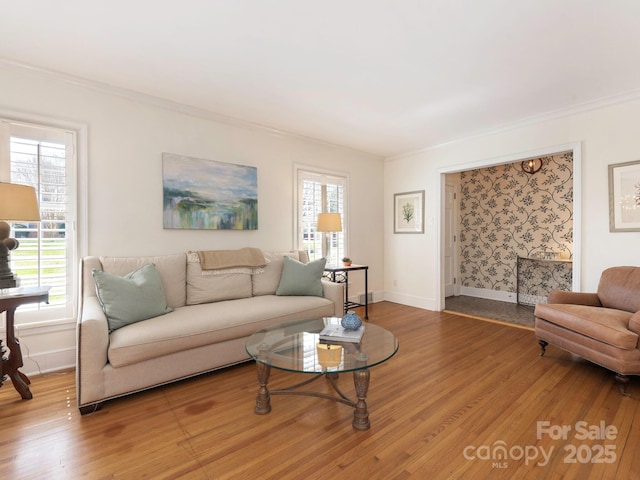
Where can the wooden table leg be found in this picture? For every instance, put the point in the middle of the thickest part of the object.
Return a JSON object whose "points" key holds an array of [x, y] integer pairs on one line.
{"points": [[263, 400], [2, 377], [13, 362], [361, 414], [361, 382]]}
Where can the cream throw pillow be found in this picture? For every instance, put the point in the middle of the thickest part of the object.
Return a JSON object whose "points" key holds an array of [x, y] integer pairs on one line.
{"points": [[206, 287], [267, 282]]}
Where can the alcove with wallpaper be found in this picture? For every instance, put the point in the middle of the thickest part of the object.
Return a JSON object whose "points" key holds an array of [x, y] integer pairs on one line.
{"points": [[504, 213]]}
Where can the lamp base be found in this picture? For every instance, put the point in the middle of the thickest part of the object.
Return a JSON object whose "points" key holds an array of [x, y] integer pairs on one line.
{"points": [[7, 277], [8, 281]]}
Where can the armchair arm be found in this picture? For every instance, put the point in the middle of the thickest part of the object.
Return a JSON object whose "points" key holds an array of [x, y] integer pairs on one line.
{"points": [[575, 298], [634, 323], [335, 293]]}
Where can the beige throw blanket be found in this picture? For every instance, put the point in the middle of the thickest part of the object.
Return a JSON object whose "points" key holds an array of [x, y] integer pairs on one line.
{"points": [[243, 257]]}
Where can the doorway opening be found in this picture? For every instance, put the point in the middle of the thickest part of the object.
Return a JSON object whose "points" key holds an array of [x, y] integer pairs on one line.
{"points": [[500, 213]]}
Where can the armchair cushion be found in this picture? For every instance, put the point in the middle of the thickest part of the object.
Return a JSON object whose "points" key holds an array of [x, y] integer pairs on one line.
{"points": [[604, 324], [576, 298]]}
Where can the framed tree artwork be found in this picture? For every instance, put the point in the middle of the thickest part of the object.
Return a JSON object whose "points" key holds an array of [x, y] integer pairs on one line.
{"points": [[408, 212]]}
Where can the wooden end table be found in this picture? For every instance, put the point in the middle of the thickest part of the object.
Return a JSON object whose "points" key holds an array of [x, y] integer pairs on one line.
{"points": [[10, 299]]}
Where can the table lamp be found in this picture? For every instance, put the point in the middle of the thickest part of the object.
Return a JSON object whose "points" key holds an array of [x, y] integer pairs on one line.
{"points": [[328, 223], [17, 203]]}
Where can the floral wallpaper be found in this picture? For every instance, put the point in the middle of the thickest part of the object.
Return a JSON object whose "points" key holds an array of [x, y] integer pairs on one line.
{"points": [[506, 213]]}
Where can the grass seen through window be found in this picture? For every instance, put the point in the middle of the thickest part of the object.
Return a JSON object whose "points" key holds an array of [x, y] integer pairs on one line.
{"points": [[48, 269]]}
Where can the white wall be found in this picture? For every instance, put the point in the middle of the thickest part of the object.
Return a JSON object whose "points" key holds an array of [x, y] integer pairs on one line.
{"points": [[126, 137], [606, 135]]}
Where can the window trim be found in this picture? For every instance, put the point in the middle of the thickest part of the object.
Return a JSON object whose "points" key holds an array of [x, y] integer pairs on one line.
{"points": [[80, 197], [299, 167]]}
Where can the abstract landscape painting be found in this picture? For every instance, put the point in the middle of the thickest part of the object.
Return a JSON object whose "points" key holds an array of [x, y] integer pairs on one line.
{"points": [[206, 194]]}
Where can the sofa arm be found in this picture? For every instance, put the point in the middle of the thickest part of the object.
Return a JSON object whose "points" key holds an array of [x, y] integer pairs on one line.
{"points": [[335, 293], [574, 298], [92, 332]]}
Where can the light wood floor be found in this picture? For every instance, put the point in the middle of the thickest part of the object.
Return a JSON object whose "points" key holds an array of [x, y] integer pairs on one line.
{"points": [[458, 389]]}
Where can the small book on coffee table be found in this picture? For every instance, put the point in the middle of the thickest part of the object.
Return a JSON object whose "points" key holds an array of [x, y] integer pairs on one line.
{"points": [[337, 333]]}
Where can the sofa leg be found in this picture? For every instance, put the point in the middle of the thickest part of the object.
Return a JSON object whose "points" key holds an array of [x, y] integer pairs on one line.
{"points": [[543, 346], [90, 408], [622, 384]]}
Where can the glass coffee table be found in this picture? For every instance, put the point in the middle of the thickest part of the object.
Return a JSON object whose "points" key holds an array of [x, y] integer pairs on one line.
{"points": [[296, 347]]}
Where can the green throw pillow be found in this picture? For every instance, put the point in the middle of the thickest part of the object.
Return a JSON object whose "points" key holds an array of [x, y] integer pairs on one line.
{"points": [[301, 278], [134, 297]]}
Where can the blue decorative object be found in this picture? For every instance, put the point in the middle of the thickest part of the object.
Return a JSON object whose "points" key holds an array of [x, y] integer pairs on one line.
{"points": [[351, 321]]}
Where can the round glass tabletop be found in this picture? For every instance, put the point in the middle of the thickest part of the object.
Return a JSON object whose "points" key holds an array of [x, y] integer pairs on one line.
{"points": [[296, 346]]}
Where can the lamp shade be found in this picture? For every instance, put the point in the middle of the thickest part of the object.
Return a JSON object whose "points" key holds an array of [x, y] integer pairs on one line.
{"points": [[329, 222], [18, 202]]}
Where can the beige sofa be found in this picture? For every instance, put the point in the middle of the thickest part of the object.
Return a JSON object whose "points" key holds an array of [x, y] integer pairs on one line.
{"points": [[212, 317], [601, 327]]}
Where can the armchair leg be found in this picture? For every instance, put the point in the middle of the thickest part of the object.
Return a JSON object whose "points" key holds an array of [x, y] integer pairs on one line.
{"points": [[543, 346], [622, 384]]}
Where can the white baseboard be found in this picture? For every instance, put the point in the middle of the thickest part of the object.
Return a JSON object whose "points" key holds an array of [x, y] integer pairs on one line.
{"points": [[509, 297], [373, 297], [411, 300], [47, 347], [46, 362]]}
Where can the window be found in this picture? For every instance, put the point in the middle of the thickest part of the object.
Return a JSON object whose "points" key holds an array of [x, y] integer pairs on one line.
{"points": [[44, 158], [317, 193]]}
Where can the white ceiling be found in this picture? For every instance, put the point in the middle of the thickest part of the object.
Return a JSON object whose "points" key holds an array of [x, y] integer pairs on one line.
{"points": [[381, 76]]}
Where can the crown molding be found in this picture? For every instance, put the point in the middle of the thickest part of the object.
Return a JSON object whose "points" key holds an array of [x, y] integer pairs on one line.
{"points": [[591, 105], [166, 104]]}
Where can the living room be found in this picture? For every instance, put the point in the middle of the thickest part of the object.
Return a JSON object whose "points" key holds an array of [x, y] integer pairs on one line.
{"points": [[122, 133]]}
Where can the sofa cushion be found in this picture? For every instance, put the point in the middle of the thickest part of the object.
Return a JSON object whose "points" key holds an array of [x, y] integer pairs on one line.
{"points": [[209, 323], [266, 283], [301, 278], [131, 298], [607, 325], [171, 268], [204, 286]]}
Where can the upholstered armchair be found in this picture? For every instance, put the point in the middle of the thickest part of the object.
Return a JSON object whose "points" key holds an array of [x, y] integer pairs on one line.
{"points": [[601, 327]]}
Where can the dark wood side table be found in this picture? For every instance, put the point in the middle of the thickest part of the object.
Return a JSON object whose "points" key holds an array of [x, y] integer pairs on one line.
{"points": [[10, 299], [341, 275]]}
